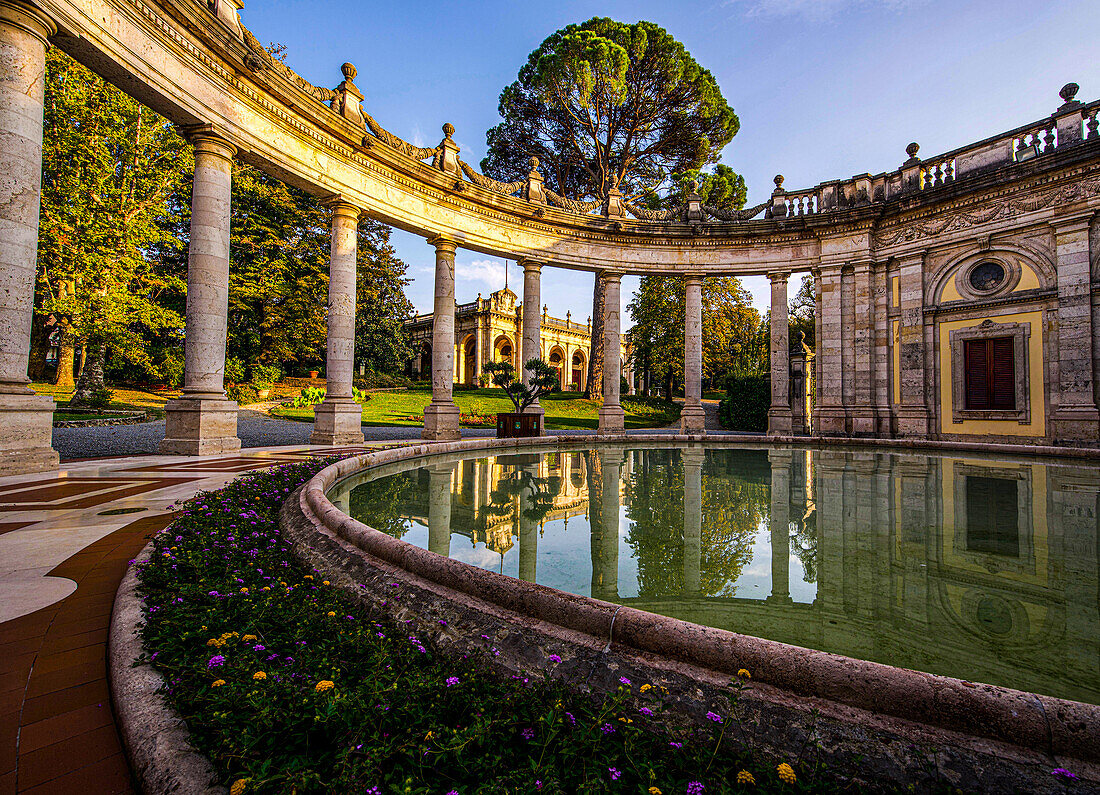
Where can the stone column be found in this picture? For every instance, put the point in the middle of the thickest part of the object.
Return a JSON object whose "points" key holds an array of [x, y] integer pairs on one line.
{"points": [[693, 520], [339, 419], [780, 421], [693, 418], [913, 415], [605, 569], [532, 323], [779, 524], [1074, 418], [830, 382], [202, 421], [441, 415], [26, 419], [439, 508], [863, 412], [880, 363], [815, 418], [612, 417]]}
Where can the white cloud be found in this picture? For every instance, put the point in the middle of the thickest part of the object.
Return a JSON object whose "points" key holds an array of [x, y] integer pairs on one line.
{"points": [[487, 271], [418, 137], [815, 10]]}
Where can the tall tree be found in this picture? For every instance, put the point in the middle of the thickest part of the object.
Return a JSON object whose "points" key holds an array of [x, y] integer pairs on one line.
{"points": [[109, 165], [607, 106], [803, 308]]}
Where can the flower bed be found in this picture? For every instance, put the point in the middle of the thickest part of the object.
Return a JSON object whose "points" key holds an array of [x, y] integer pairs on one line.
{"points": [[289, 688]]}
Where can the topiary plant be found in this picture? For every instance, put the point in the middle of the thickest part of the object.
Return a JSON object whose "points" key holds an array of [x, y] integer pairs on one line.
{"points": [[544, 380]]}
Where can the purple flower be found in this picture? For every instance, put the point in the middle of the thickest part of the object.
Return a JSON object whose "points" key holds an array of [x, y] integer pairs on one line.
{"points": [[714, 716], [624, 680], [571, 719], [453, 792], [452, 681], [554, 658], [607, 728], [675, 744], [614, 773], [646, 711], [215, 661], [1062, 773], [695, 788], [259, 647], [528, 734]]}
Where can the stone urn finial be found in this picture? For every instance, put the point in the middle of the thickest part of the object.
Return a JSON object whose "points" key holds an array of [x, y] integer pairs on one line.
{"points": [[534, 162], [448, 130], [912, 149], [349, 71], [1068, 92], [778, 180]]}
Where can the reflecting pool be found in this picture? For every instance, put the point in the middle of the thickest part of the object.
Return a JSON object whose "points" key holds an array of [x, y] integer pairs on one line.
{"points": [[982, 569]]}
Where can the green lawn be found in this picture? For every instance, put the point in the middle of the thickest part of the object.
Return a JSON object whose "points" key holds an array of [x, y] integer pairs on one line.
{"points": [[564, 410], [125, 399]]}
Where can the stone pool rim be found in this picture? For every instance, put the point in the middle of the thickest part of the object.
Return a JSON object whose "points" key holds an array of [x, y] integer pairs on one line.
{"points": [[1060, 727]]}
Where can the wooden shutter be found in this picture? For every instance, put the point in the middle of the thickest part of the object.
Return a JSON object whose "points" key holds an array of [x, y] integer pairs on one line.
{"points": [[990, 372], [977, 366], [992, 516], [1003, 371]]}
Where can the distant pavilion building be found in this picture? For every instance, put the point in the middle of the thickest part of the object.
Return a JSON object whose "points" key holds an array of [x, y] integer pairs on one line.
{"points": [[491, 329]]}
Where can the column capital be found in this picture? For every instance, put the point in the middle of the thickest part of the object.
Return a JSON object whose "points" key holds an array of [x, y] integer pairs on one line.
{"points": [[831, 268], [693, 277], [340, 206], [777, 276], [208, 139], [443, 243], [1078, 222], [28, 18], [532, 265], [863, 266], [610, 275]]}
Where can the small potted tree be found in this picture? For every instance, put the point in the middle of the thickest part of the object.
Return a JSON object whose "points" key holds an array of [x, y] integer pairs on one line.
{"points": [[544, 380]]}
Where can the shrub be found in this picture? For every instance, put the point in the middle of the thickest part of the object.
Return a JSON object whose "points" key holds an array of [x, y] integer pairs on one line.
{"points": [[310, 396], [234, 371], [745, 407], [99, 399], [264, 375], [373, 380], [242, 393]]}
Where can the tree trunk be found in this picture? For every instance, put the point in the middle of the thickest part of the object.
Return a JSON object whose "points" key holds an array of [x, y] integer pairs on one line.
{"points": [[594, 477], [593, 389], [83, 359], [40, 347], [64, 378], [91, 375]]}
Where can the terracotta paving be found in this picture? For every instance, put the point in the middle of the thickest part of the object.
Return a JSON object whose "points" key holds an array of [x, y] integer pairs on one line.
{"points": [[57, 730]]}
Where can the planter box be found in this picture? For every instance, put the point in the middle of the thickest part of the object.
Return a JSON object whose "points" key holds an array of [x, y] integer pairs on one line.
{"points": [[511, 426]]}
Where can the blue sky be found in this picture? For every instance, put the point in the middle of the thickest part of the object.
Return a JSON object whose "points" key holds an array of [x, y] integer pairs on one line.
{"points": [[825, 89]]}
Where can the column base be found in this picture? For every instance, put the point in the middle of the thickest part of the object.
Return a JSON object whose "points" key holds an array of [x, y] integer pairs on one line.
{"points": [[337, 422], [693, 419], [200, 426], [440, 422], [26, 432], [864, 422], [832, 421], [780, 422], [913, 421], [612, 420], [1075, 424]]}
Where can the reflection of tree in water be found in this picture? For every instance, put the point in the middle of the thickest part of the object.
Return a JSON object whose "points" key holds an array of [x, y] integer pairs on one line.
{"points": [[655, 508], [804, 542], [383, 503], [521, 481], [735, 507]]}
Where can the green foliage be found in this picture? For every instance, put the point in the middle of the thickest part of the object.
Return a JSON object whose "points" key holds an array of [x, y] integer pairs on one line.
{"points": [[225, 601], [108, 167], [97, 399], [234, 370], [543, 380], [310, 396], [722, 187], [606, 105], [803, 309], [244, 394], [264, 375], [745, 407]]}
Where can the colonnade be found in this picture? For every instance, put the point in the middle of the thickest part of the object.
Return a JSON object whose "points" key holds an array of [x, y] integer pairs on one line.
{"points": [[202, 421]]}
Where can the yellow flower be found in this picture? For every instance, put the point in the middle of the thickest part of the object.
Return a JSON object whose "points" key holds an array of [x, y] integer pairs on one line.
{"points": [[654, 791], [429, 735], [324, 685], [745, 777], [265, 588], [174, 549], [325, 582], [742, 672], [248, 638], [214, 642], [282, 583], [645, 689], [308, 577], [625, 720], [259, 675], [330, 613], [238, 786], [244, 590], [217, 683], [786, 773]]}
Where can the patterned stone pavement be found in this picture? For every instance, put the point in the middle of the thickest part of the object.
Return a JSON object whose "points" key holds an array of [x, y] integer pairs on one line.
{"points": [[66, 539]]}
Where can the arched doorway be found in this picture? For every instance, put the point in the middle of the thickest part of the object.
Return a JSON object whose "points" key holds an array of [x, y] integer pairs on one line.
{"points": [[579, 371], [469, 360], [503, 350], [425, 369], [557, 361]]}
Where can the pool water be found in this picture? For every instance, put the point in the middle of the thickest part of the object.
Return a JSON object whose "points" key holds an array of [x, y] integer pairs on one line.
{"points": [[982, 569]]}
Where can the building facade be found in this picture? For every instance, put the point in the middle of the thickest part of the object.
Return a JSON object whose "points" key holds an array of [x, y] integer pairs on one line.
{"points": [[491, 330]]}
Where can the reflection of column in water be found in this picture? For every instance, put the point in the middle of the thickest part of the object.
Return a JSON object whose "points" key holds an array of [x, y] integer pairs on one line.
{"points": [[779, 523], [605, 566], [341, 498], [693, 519], [528, 529], [439, 508]]}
